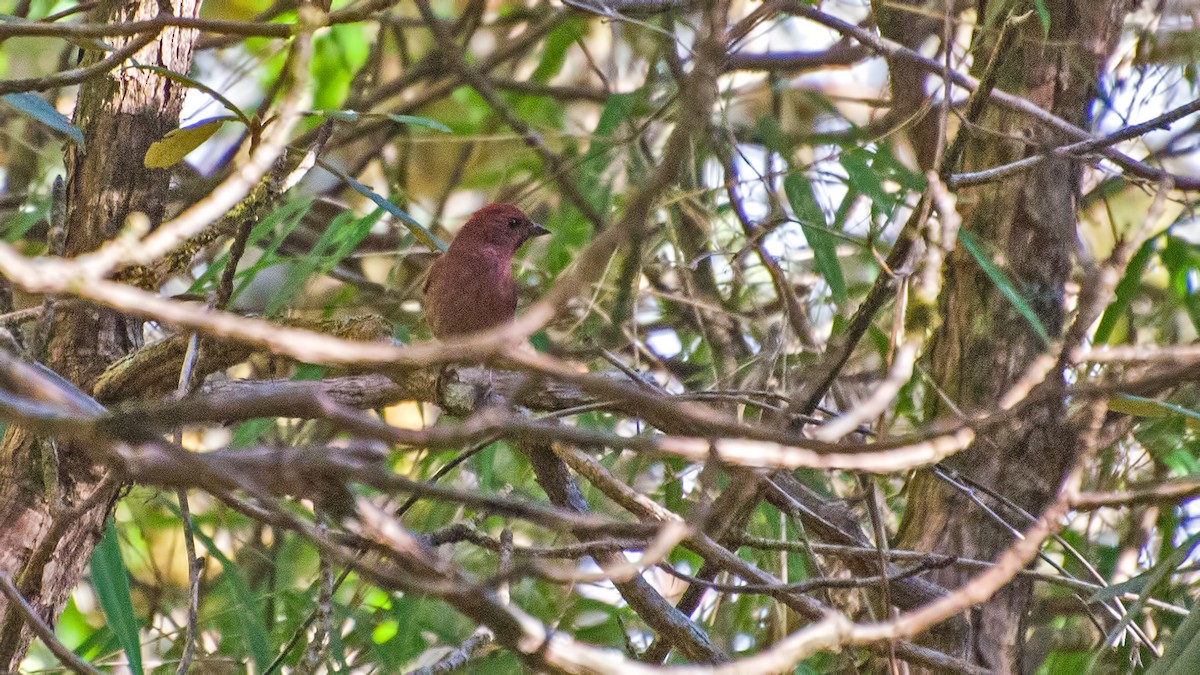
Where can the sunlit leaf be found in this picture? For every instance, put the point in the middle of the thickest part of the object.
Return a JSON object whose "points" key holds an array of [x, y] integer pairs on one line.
{"points": [[179, 142], [338, 53]]}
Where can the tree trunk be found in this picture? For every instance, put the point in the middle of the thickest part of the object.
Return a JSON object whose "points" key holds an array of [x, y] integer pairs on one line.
{"points": [[53, 499], [984, 344]]}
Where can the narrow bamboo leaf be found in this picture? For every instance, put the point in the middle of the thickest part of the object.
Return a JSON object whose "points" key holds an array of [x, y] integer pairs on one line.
{"points": [[1149, 580], [341, 115], [196, 84], [1137, 406], [1134, 585], [280, 223], [354, 116], [998, 277], [1148, 407], [178, 143], [571, 230], [812, 222], [256, 633], [418, 230], [595, 161], [555, 47], [420, 122], [338, 240], [1182, 655], [37, 108], [304, 267], [864, 177], [100, 642], [110, 579], [1043, 14], [1126, 289]]}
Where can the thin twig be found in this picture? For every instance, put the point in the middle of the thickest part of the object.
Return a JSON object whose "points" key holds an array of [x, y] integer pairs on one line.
{"points": [[40, 628]]}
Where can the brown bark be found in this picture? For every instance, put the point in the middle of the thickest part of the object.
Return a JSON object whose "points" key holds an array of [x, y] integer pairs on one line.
{"points": [[984, 344], [53, 500], [911, 23]]}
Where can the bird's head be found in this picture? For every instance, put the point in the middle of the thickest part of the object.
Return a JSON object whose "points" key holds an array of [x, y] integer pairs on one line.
{"points": [[503, 226]]}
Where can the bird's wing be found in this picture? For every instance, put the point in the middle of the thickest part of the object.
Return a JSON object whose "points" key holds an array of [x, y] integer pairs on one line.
{"points": [[433, 270]]}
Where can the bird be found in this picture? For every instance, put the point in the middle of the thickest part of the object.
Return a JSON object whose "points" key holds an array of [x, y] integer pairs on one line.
{"points": [[470, 288]]}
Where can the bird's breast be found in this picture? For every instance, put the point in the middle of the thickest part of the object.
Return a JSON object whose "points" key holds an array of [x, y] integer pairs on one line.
{"points": [[469, 293]]}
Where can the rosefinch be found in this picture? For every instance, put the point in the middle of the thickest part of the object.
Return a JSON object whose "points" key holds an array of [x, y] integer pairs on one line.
{"points": [[471, 288]]}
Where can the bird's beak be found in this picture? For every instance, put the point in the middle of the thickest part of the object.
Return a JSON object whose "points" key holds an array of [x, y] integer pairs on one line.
{"points": [[536, 230]]}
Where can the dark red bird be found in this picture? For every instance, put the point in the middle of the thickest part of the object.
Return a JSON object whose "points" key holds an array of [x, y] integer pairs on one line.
{"points": [[471, 288]]}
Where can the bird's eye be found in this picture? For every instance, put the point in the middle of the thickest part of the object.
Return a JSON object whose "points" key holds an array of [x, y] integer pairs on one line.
{"points": [[514, 222]]}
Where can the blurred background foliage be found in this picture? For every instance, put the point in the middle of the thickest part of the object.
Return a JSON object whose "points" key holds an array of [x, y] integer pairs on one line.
{"points": [[824, 190]]}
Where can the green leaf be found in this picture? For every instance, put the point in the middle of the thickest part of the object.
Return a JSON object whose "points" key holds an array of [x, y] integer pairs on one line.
{"points": [[1043, 14], [110, 579], [338, 53], [354, 116], [998, 277], [863, 177], [339, 240], [1137, 406], [1133, 585], [256, 634], [280, 223], [247, 433], [1183, 263], [35, 211], [886, 165], [1148, 580], [302, 268], [1126, 289], [1182, 655], [413, 120], [37, 108], [279, 229], [196, 84], [555, 47], [812, 222], [418, 230], [616, 111], [179, 142], [341, 115]]}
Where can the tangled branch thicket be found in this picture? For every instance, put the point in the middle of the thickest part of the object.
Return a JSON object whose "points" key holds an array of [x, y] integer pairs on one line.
{"points": [[868, 356]]}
